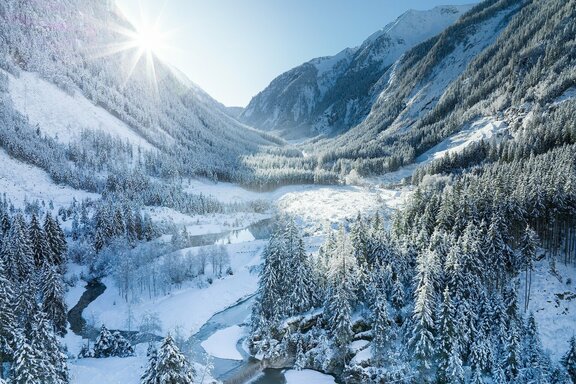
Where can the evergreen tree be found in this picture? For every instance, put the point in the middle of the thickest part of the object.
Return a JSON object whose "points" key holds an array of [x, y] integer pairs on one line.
{"points": [[422, 339], [569, 359], [304, 295], [120, 346], [20, 261], [512, 358], [104, 345], [26, 366], [40, 248], [150, 374], [171, 366], [52, 361], [56, 240], [8, 323], [380, 328], [447, 335], [53, 303], [340, 320], [529, 243]]}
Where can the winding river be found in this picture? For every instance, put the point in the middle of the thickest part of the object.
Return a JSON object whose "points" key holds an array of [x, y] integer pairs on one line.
{"points": [[228, 371]]}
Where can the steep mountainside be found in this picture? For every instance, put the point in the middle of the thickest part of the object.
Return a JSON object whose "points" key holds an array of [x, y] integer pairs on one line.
{"points": [[71, 81], [506, 60], [331, 94]]}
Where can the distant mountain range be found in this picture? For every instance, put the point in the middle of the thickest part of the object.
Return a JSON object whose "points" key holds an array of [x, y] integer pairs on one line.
{"points": [[331, 94]]}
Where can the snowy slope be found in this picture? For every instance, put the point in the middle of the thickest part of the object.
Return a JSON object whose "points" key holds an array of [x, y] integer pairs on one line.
{"points": [[63, 116], [23, 182], [424, 97], [318, 96]]}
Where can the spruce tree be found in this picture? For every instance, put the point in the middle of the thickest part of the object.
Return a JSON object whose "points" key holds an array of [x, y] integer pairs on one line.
{"points": [[8, 323], [53, 303], [20, 262], [56, 239], [52, 361], [380, 328], [40, 248], [104, 345], [172, 367], [150, 374], [26, 365], [569, 359]]}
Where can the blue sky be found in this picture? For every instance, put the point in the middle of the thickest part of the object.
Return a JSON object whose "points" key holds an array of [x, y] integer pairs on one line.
{"points": [[234, 48]]}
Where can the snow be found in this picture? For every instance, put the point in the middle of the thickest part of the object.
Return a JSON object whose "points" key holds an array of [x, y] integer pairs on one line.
{"points": [[553, 302], [24, 182], [329, 204], [315, 205], [569, 94], [64, 116], [425, 97], [222, 344], [485, 129], [190, 307], [414, 26], [112, 370], [307, 376], [204, 224]]}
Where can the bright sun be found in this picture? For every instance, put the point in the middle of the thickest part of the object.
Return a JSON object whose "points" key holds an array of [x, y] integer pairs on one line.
{"points": [[149, 39], [146, 42]]}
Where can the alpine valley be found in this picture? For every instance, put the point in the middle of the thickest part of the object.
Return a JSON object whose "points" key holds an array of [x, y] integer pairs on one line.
{"points": [[401, 212]]}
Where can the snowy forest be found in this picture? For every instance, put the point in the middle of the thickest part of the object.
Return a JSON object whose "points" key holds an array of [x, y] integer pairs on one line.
{"points": [[407, 215]]}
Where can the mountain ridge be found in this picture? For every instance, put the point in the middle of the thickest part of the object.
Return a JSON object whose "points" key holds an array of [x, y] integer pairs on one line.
{"points": [[315, 97]]}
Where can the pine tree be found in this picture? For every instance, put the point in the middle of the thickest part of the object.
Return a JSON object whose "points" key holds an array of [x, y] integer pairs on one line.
{"points": [[340, 321], [25, 368], [512, 358], [529, 243], [446, 334], [455, 371], [172, 367], [422, 339], [380, 328], [104, 345], [40, 248], [303, 293], [56, 240], [120, 346], [20, 262], [52, 361], [150, 374], [569, 359], [53, 303], [7, 317], [397, 294]]}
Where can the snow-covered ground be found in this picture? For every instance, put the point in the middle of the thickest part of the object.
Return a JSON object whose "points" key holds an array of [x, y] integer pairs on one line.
{"points": [[307, 376], [553, 302], [204, 224], [315, 206], [186, 309], [64, 116], [24, 182], [485, 128], [222, 343]]}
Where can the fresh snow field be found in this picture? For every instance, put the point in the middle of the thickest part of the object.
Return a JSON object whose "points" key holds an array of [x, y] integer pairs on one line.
{"points": [[24, 182], [185, 309], [553, 302], [307, 376], [64, 116], [222, 343]]}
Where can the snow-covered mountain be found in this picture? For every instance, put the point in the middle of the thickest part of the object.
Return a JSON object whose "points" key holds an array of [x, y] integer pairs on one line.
{"points": [[70, 80], [331, 94]]}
